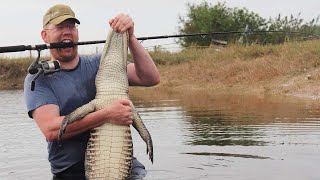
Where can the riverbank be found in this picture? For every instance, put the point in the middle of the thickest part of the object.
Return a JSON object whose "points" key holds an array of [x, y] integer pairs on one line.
{"points": [[290, 69]]}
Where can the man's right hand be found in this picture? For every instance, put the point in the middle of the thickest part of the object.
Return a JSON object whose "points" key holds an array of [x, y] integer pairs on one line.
{"points": [[119, 112]]}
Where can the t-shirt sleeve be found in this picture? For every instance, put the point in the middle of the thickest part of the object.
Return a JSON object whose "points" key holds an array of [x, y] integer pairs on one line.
{"points": [[41, 95]]}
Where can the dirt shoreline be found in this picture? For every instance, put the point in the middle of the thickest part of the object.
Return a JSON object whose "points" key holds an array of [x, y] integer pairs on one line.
{"points": [[304, 86]]}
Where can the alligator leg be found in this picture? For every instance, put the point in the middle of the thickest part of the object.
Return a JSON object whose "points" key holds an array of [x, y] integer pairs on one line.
{"points": [[143, 131], [77, 114]]}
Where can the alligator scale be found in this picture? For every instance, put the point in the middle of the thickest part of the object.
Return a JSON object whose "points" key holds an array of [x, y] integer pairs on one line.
{"points": [[109, 150]]}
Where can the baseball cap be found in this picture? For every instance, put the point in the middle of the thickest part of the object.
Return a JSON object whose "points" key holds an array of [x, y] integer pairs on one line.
{"points": [[57, 14]]}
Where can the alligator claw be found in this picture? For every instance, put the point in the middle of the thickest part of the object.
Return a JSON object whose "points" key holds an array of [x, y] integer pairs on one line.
{"points": [[150, 150], [62, 128]]}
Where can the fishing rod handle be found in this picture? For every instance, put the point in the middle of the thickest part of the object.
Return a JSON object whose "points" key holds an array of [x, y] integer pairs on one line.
{"points": [[13, 48], [34, 47]]}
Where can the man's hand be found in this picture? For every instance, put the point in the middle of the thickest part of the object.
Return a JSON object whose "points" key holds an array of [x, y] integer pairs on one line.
{"points": [[122, 23], [120, 112]]}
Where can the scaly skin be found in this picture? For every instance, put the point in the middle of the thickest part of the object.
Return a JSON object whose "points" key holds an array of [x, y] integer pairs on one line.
{"points": [[109, 150]]}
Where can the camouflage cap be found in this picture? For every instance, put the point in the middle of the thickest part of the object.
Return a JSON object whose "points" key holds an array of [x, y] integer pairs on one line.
{"points": [[57, 14]]}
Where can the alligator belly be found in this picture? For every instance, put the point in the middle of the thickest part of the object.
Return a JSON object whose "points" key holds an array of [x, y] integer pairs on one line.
{"points": [[109, 152]]}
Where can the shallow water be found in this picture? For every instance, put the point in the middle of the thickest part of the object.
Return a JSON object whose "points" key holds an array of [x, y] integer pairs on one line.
{"points": [[195, 136]]}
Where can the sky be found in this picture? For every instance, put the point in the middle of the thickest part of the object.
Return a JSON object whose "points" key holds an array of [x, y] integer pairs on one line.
{"points": [[21, 21]]}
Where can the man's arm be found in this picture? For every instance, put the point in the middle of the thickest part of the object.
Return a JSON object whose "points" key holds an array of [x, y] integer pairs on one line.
{"points": [[49, 120], [143, 72]]}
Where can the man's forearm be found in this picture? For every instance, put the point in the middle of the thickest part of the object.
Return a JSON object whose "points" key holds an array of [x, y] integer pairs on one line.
{"points": [[88, 122], [50, 126], [145, 68]]}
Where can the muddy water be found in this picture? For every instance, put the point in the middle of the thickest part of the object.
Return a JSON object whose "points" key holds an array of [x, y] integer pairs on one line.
{"points": [[196, 136]]}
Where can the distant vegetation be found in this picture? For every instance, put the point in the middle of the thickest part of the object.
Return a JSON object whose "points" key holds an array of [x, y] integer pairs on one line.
{"points": [[220, 18], [233, 66], [12, 72]]}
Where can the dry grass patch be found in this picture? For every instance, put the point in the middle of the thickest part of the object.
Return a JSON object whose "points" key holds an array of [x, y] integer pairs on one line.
{"points": [[243, 66], [13, 72]]}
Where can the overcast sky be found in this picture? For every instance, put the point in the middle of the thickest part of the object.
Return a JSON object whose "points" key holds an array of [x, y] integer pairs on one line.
{"points": [[21, 21]]}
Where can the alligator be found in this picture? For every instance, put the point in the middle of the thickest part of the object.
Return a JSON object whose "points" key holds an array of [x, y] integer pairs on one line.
{"points": [[110, 149]]}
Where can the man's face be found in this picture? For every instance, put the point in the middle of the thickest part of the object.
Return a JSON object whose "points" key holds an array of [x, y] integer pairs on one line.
{"points": [[64, 32]]}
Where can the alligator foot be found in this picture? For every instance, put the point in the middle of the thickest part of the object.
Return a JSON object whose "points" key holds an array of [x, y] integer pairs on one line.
{"points": [[63, 127], [150, 149], [77, 114]]}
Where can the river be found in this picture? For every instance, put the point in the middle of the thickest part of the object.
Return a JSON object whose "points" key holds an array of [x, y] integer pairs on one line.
{"points": [[195, 136]]}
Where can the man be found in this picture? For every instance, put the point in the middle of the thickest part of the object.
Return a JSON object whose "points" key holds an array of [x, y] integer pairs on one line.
{"points": [[60, 93]]}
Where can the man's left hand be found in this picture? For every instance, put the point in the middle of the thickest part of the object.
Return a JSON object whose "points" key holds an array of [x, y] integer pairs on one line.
{"points": [[122, 23]]}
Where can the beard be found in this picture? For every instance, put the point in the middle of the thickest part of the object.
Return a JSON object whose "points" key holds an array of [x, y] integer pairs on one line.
{"points": [[65, 54]]}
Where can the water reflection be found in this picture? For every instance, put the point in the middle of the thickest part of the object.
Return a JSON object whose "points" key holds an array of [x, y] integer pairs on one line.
{"points": [[222, 129], [196, 136], [226, 137], [235, 120]]}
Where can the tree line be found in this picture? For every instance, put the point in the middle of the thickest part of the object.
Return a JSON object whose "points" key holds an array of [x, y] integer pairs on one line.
{"points": [[206, 17]]}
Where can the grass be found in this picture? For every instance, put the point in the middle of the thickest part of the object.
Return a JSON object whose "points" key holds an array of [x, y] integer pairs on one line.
{"points": [[13, 72], [240, 68], [235, 68]]}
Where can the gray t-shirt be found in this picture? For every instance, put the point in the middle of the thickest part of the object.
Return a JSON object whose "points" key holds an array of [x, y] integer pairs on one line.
{"points": [[69, 89]]}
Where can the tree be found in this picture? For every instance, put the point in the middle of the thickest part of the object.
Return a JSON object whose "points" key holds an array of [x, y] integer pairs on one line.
{"points": [[206, 18], [217, 18]]}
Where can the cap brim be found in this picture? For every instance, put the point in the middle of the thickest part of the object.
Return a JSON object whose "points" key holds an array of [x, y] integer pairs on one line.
{"points": [[60, 19]]}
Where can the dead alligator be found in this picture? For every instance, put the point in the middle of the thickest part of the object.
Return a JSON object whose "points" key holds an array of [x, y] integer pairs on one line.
{"points": [[109, 150]]}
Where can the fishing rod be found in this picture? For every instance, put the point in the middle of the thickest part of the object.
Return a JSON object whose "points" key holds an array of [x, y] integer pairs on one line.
{"points": [[48, 67], [19, 48]]}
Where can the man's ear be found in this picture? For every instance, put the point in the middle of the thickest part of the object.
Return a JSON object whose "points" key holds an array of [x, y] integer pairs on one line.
{"points": [[44, 36]]}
